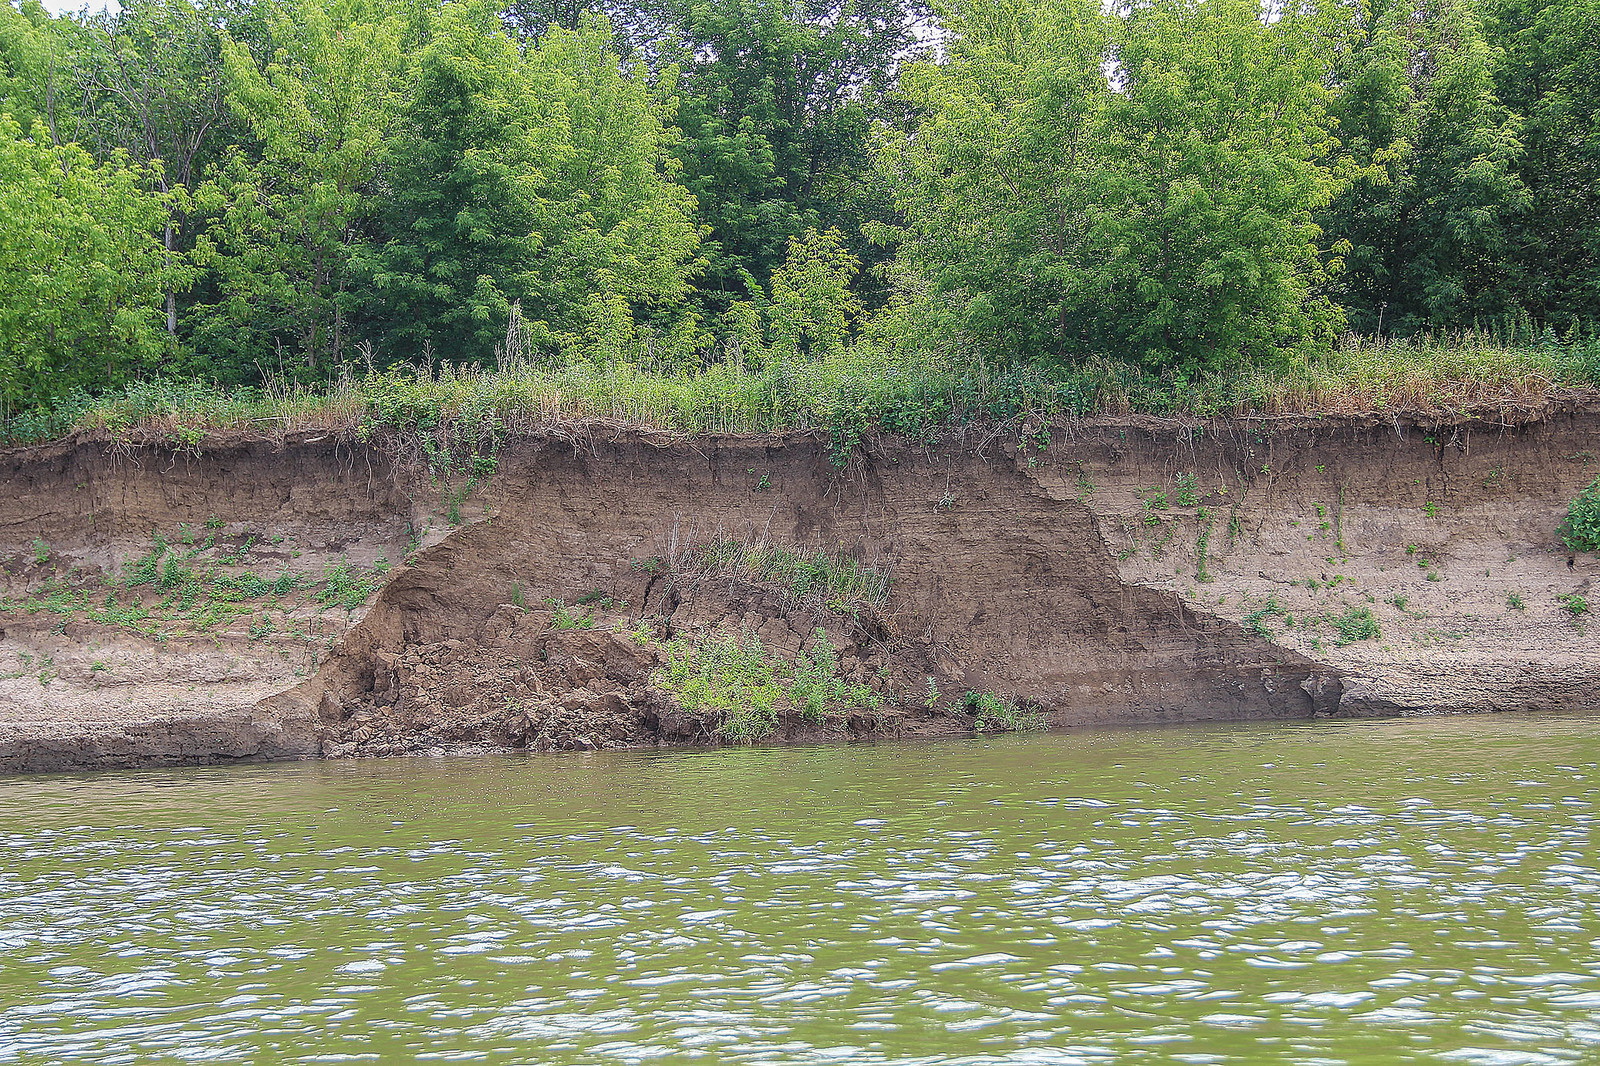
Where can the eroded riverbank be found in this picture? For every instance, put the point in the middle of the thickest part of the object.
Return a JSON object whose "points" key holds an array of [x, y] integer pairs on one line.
{"points": [[284, 597]]}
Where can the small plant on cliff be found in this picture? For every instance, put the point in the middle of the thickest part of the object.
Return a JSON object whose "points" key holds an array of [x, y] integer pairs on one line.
{"points": [[1574, 603], [41, 552], [730, 676], [1256, 621], [1514, 601], [565, 619], [1581, 530], [1355, 624], [1000, 714], [345, 587], [176, 575], [147, 568], [1203, 543]]}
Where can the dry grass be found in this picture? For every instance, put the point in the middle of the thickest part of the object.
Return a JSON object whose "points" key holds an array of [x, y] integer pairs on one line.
{"points": [[864, 388]]}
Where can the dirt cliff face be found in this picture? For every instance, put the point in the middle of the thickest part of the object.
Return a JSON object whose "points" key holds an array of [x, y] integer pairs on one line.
{"points": [[1098, 572]]}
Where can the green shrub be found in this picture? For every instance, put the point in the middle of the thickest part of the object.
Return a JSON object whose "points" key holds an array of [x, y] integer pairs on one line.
{"points": [[1356, 624], [565, 619], [345, 587], [735, 678], [1581, 530], [729, 676], [1000, 714], [146, 569]]}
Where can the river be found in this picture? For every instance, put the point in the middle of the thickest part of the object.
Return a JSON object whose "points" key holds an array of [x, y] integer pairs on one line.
{"points": [[1360, 892]]}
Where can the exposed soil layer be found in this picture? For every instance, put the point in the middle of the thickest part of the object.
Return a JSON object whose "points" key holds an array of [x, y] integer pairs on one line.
{"points": [[1100, 572]]}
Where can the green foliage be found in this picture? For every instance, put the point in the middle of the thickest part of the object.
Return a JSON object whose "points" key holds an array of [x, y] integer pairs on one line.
{"points": [[729, 676], [1428, 225], [537, 179], [1166, 219], [1165, 207], [779, 103], [320, 105], [812, 305], [80, 268], [171, 591], [736, 678], [1000, 714], [1256, 621], [1355, 624], [562, 618], [1581, 530], [1574, 603], [835, 580], [344, 586]]}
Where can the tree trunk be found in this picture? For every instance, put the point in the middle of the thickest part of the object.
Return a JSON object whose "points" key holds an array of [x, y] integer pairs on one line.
{"points": [[172, 296]]}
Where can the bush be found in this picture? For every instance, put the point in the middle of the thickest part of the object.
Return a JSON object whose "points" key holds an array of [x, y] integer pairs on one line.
{"points": [[1581, 530], [1356, 624], [1000, 714]]}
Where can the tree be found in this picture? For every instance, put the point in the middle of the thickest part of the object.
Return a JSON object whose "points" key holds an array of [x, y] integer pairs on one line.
{"points": [[83, 270], [153, 85], [779, 103], [1429, 226], [1161, 213], [538, 178], [812, 306], [286, 216], [1549, 73]]}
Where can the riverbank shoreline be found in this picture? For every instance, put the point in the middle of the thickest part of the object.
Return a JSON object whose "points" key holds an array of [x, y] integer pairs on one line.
{"points": [[257, 595]]}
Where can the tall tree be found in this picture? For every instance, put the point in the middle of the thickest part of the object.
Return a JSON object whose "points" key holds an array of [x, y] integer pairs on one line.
{"points": [[779, 103], [80, 303], [1429, 225], [153, 84], [286, 215], [1139, 185], [1549, 73], [538, 178]]}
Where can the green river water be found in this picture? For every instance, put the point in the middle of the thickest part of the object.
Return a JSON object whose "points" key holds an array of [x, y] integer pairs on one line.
{"points": [[1360, 892]]}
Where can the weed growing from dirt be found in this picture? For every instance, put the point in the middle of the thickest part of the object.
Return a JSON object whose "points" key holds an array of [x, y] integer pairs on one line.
{"points": [[1355, 624], [1203, 543], [562, 618], [736, 678], [833, 580], [1581, 530], [1256, 621], [1000, 714], [176, 591], [344, 587]]}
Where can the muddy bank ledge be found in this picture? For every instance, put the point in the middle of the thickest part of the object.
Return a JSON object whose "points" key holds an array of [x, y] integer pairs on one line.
{"points": [[309, 595]]}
